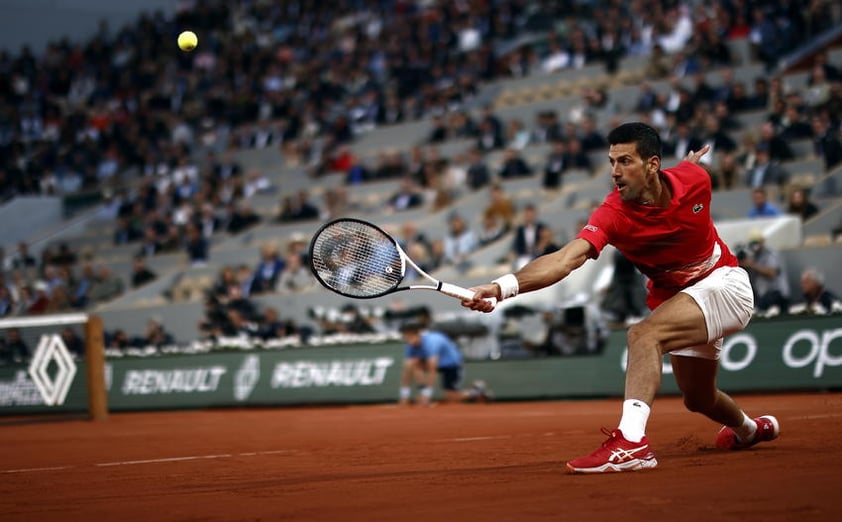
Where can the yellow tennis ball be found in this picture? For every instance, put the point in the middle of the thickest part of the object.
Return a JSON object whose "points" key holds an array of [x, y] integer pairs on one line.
{"points": [[187, 41]]}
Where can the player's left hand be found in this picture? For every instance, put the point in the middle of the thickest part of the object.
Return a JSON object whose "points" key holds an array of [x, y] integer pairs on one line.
{"points": [[694, 156]]}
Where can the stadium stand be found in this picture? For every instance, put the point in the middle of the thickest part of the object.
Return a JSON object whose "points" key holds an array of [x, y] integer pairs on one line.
{"points": [[155, 151]]}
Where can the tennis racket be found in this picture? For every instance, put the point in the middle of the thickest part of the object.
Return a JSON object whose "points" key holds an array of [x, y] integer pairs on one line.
{"points": [[358, 259]]}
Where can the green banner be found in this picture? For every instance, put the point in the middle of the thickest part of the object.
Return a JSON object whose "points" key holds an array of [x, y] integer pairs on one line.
{"points": [[773, 355]]}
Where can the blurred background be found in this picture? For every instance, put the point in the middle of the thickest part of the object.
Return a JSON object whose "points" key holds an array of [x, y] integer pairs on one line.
{"points": [[174, 193]]}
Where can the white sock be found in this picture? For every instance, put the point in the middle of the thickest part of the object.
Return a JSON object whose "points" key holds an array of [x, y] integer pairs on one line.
{"points": [[745, 432], [633, 422]]}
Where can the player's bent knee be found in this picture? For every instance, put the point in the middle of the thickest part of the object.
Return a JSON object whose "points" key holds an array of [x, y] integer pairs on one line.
{"points": [[643, 334]]}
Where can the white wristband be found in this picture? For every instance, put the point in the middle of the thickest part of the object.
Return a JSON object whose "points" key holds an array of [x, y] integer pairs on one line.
{"points": [[509, 286]]}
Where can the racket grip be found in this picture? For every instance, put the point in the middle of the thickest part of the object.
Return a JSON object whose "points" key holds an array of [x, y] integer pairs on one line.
{"points": [[461, 293]]}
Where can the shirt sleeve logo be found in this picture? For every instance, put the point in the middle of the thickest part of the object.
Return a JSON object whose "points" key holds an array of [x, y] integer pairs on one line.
{"points": [[697, 208], [591, 228]]}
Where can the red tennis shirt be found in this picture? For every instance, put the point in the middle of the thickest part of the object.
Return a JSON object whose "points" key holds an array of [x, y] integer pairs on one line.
{"points": [[674, 246]]}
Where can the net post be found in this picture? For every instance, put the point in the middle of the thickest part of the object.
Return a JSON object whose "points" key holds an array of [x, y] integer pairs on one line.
{"points": [[95, 362]]}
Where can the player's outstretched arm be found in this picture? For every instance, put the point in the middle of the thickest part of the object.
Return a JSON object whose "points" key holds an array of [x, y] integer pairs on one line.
{"points": [[694, 156], [538, 273]]}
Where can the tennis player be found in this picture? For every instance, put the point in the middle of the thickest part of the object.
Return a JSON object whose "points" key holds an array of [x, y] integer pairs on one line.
{"points": [[660, 220], [430, 353]]}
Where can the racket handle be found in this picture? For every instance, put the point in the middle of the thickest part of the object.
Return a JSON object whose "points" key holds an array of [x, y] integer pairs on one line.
{"points": [[461, 293]]}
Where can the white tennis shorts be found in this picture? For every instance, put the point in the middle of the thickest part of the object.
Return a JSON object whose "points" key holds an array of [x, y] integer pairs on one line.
{"points": [[727, 302]]}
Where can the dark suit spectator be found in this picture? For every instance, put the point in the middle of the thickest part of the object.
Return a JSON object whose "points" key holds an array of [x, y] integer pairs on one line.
{"points": [[23, 259], [816, 297], [125, 231], [765, 171], [779, 149], [240, 217], [73, 342], [406, 197], [197, 246], [438, 132], [826, 142], [489, 139], [577, 158], [682, 142], [794, 126], [526, 236], [299, 208], [151, 245], [514, 166], [13, 349], [141, 273], [477, 173], [555, 165]]}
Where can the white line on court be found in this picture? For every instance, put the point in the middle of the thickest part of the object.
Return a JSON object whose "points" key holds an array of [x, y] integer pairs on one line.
{"points": [[31, 470], [152, 461], [472, 439]]}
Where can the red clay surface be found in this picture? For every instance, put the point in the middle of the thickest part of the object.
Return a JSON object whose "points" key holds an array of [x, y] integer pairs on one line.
{"points": [[492, 462]]}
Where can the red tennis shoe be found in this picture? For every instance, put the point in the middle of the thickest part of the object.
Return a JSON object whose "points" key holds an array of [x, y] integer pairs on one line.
{"points": [[767, 429], [615, 454]]}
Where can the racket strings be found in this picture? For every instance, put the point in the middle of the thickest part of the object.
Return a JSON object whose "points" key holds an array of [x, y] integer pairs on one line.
{"points": [[356, 259]]}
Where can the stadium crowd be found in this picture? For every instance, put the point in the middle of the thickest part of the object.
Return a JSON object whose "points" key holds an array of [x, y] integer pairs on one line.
{"points": [[155, 131]]}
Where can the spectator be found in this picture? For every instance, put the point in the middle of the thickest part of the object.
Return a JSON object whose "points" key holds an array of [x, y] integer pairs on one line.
{"points": [[407, 196], [761, 207], [268, 270], [273, 327], [73, 342], [141, 273], [295, 277], [800, 204], [546, 243], [196, 246], [500, 206], [827, 144], [151, 245], [777, 146], [766, 171], [524, 247], [459, 243], [816, 298], [478, 175], [156, 335], [40, 299], [105, 286], [683, 141], [514, 165], [492, 228], [577, 158], [768, 275], [517, 135], [489, 138], [125, 232], [794, 126], [299, 208], [13, 349], [625, 296], [555, 166], [240, 216], [23, 259]]}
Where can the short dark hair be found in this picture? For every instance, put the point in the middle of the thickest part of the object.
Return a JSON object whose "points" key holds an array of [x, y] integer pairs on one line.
{"points": [[411, 327], [646, 138]]}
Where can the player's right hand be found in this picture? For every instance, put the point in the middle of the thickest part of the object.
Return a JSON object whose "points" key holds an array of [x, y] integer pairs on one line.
{"points": [[481, 301]]}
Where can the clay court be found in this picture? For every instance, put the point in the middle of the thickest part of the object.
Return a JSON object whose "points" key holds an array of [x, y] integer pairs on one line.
{"points": [[499, 461]]}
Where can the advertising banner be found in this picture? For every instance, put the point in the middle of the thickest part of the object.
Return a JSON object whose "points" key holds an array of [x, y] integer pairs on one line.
{"points": [[783, 354]]}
